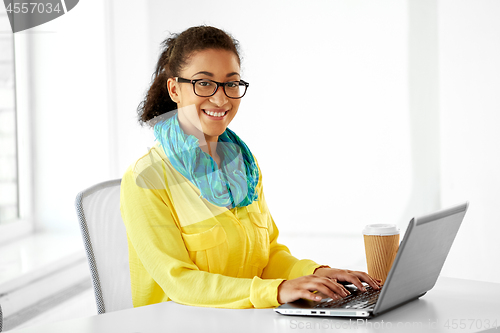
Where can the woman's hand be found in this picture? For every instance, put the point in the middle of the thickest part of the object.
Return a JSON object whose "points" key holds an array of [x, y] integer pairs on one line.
{"points": [[324, 280], [344, 275], [303, 287]]}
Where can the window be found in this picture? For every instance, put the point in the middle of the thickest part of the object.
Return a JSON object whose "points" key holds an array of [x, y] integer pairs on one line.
{"points": [[15, 148], [9, 186]]}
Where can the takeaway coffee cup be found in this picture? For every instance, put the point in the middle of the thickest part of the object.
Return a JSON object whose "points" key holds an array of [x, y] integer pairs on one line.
{"points": [[381, 246]]}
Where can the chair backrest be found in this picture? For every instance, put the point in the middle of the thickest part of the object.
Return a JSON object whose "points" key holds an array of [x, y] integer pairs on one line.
{"points": [[105, 239]]}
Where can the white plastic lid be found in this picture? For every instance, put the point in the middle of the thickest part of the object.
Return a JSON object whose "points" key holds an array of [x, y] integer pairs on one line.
{"points": [[381, 229]]}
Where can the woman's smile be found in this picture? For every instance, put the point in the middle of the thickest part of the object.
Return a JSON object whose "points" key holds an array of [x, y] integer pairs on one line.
{"points": [[215, 114]]}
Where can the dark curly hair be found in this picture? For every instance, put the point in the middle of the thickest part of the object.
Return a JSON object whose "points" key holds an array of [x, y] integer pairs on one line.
{"points": [[175, 53]]}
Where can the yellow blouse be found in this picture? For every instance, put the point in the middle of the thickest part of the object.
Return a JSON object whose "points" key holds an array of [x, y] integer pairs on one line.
{"points": [[183, 248]]}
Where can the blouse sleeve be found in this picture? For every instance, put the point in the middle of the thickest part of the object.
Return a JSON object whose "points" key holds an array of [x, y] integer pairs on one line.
{"points": [[157, 242]]}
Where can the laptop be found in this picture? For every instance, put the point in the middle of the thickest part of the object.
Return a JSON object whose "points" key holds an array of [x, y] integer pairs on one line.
{"points": [[414, 272]]}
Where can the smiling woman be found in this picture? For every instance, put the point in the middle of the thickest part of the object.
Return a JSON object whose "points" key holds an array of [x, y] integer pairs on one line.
{"points": [[199, 229]]}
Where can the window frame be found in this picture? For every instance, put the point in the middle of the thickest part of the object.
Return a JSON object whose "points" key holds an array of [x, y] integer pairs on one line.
{"points": [[24, 224]]}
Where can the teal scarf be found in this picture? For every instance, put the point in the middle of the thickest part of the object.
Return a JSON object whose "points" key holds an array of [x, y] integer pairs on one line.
{"points": [[230, 185]]}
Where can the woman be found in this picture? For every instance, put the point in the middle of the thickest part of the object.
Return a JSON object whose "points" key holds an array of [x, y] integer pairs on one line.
{"points": [[199, 230]]}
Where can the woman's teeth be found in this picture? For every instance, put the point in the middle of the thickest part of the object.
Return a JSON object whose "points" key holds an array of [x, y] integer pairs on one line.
{"points": [[215, 114]]}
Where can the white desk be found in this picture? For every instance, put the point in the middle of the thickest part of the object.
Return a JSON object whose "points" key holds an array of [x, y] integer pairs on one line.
{"points": [[472, 304]]}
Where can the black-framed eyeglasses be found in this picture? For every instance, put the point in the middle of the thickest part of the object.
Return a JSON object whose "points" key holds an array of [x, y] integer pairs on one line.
{"points": [[207, 88]]}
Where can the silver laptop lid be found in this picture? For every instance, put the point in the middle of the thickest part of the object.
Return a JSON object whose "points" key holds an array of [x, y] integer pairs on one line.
{"points": [[420, 257]]}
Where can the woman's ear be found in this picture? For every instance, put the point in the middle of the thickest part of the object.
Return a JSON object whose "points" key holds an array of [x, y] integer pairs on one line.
{"points": [[173, 90]]}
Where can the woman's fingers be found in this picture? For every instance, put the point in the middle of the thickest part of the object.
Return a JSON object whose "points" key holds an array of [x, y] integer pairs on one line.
{"points": [[303, 287], [344, 275], [330, 289], [355, 281], [306, 294], [368, 279], [343, 288], [356, 278]]}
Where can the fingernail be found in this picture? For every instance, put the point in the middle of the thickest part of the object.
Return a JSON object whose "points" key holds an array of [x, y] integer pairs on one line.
{"points": [[318, 297]]}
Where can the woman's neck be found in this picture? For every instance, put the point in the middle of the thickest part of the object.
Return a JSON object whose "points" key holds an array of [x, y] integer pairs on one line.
{"points": [[207, 143]]}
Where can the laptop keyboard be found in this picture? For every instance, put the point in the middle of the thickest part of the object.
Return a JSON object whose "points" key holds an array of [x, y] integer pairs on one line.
{"points": [[356, 300]]}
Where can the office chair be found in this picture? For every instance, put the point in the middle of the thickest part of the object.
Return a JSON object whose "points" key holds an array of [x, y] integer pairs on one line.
{"points": [[105, 239]]}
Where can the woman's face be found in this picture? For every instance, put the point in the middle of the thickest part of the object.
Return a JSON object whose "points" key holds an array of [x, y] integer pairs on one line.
{"points": [[212, 64]]}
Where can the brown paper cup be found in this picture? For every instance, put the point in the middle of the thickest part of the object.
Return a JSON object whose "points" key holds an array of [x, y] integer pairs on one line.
{"points": [[381, 247]]}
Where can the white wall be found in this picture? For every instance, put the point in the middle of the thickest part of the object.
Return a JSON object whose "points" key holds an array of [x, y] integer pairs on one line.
{"points": [[387, 112], [469, 72], [69, 114], [130, 70]]}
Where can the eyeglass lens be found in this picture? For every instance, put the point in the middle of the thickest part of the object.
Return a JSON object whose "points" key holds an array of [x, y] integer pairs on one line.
{"points": [[207, 88]]}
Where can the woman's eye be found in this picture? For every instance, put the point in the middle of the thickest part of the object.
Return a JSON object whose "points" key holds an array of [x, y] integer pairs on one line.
{"points": [[204, 83], [232, 84]]}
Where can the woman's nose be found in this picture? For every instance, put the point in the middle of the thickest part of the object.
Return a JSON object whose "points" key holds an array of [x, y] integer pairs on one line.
{"points": [[219, 98]]}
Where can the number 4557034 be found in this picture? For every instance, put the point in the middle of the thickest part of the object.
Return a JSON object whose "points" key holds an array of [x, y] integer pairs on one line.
{"points": [[455, 324], [32, 7]]}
